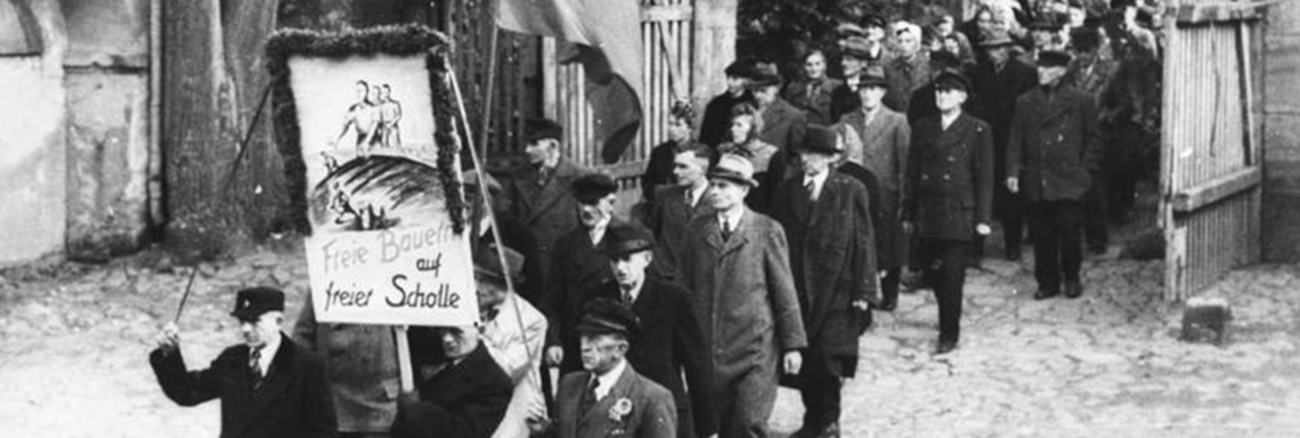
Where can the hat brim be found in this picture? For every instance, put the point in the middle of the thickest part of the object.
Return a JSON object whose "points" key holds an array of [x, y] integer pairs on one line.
{"points": [[997, 43], [735, 178], [252, 313]]}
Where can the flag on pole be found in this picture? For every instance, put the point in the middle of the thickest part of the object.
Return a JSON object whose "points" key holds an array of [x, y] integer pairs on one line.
{"points": [[606, 35]]}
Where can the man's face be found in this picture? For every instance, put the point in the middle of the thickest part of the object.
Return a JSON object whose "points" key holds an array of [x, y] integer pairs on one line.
{"points": [[490, 292], [678, 129], [949, 98], [736, 85], [258, 330], [726, 194], [458, 342], [875, 33], [766, 95], [852, 65], [1042, 37], [999, 55], [539, 151], [871, 97], [908, 43], [375, 92], [593, 214], [815, 66], [952, 46], [1050, 75], [815, 163], [362, 90], [601, 353], [688, 169], [629, 269], [741, 126], [945, 25]]}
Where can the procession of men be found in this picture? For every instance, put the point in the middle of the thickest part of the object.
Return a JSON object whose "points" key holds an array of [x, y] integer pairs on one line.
{"points": [[765, 241]]}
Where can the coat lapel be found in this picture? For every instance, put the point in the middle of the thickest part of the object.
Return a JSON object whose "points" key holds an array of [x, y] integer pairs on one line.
{"points": [[599, 413], [554, 190], [274, 385], [739, 236]]}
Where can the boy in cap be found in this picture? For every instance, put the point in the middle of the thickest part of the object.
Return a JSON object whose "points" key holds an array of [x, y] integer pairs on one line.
{"points": [[268, 385], [578, 265], [1054, 148], [669, 341], [609, 397], [947, 199], [827, 217], [717, 114], [738, 267]]}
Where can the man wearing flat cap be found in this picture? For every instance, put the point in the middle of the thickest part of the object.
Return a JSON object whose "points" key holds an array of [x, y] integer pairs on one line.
{"points": [[539, 192], [1054, 148], [515, 333], [738, 268], [998, 80], [609, 397], [947, 198], [717, 114], [783, 124], [670, 341], [827, 217], [1092, 73], [268, 385], [578, 265]]}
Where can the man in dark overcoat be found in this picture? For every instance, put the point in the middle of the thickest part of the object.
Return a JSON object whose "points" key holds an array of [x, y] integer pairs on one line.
{"points": [[948, 197], [826, 215], [715, 126], [738, 269], [609, 397], [783, 124], [1092, 73], [269, 386], [669, 342], [999, 79], [1053, 149], [463, 392], [677, 205], [539, 191], [578, 265]]}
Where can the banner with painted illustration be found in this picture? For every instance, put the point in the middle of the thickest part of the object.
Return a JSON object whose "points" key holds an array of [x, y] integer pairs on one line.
{"points": [[365, 122]]}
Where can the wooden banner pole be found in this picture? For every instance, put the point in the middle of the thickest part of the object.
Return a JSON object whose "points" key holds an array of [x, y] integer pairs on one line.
{"points": [[405, 372]]}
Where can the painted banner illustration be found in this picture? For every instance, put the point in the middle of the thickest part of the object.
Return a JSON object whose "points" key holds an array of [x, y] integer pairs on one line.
{"points": [[375, 156]]}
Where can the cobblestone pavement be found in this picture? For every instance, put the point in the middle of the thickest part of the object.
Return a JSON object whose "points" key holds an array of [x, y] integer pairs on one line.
{"points": [[74, 338]]}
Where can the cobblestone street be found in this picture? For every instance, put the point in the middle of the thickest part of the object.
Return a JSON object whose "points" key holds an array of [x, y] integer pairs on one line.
{"points": [[74, 338]]}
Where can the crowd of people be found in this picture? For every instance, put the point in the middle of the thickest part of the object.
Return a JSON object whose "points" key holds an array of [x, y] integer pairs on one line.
{"points": [[770, 228]]}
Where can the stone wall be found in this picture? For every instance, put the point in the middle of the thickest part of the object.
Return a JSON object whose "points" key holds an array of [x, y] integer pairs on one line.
{"points": [[1281, 206], [33, 159]]}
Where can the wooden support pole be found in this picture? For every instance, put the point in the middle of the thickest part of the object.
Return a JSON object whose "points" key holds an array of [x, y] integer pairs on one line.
{"points": [[405, 372]]}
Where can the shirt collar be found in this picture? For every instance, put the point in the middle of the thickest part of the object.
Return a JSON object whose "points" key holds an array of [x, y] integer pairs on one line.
{"points": [[818, 181], [268, 351], [597, 232], [636, 290], [732, 217], [694, 195], [610, 378]]}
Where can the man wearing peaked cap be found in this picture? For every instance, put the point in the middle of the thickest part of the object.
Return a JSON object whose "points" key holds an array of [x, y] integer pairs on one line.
{"points": [[284, 383], [823, 208], [578, 265], [608, 397], [669, 342], [1054, 148], [783, 124], [717, 114], [1093, 74], [737, 266], [947, 198]]}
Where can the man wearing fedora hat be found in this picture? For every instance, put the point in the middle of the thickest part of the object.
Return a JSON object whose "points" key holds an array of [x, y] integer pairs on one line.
{"points": [[998, 80], [853, 59], [738, 268], [947, 199], [538, 192], [783, 124], [268, 385], [885, 136], [717, 114], [609, 397], [827, 217], [578, 265], [515, 333], [1053, 148], [669, 341]]}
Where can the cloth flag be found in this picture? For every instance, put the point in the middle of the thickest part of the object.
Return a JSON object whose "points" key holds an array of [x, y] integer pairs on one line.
{"points": [[605, 36]]}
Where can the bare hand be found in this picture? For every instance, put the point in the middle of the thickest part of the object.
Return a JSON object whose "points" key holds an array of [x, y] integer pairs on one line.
{"points": [[983, 229], [907, 227], [861, 304], [1013, 184], [537, 421], [793, 362], [169, 338], [554, 355]]}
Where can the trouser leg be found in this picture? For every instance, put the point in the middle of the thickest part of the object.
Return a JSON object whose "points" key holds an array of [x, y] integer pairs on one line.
{"points": [[950, 277], [1094, 212], [1047, 259], [889, 285], [1012, 217], [1069, 217], [820, 391], [755, 396]]}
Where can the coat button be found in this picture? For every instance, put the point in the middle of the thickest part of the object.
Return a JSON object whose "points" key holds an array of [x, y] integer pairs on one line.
{"points": [[1060, 137], [951, 159], [945, 177]]}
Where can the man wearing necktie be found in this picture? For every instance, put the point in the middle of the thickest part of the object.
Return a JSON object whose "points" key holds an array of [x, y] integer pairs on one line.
{"points": [[827, 217], [737, 266], [609, 397], [463, 393], [670, 342], [269, 386], [677, 205]]}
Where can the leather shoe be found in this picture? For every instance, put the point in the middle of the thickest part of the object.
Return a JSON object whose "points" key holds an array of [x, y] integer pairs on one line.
{"points": [[1044, 294], [945, 347], [886, 305], [1073, 289], [832, 431], [1013, 254]]}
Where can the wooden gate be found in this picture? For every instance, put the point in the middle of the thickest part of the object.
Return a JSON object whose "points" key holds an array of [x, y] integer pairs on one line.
{"points": [[667, 28], [1210, 153]]}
